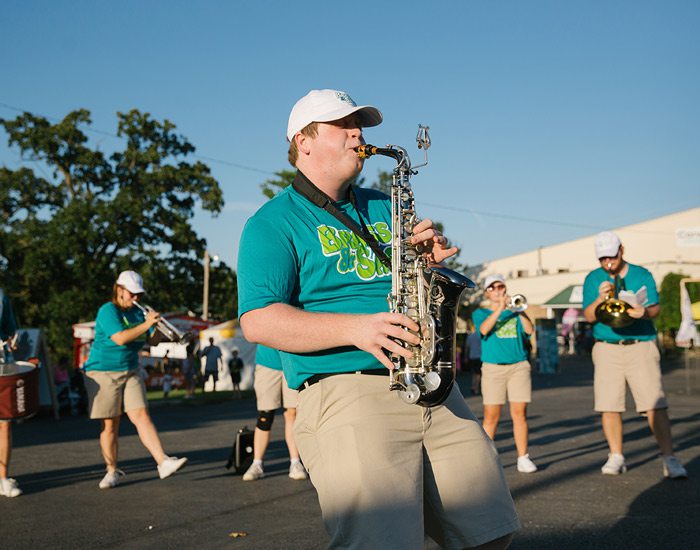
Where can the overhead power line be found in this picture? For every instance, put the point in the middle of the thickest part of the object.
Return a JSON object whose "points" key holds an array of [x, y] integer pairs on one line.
{"points": [[113, 135], [268, 172], [511, 217]]}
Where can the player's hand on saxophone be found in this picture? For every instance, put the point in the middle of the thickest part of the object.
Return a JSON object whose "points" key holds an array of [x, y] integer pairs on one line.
{"points": [[373, 334], [434, 244]]}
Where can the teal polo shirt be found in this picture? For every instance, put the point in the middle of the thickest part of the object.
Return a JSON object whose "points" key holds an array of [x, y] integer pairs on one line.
{"points": [[295, 253], [635, 278], [505, 343], [105, 355]]}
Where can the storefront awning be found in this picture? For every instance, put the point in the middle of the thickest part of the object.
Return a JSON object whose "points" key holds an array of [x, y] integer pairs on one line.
{"points": [[571, 296]]}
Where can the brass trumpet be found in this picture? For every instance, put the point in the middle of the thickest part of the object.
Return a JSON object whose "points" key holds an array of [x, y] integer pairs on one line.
{"points": [[613, 311], [517, 303], [166, 328]]}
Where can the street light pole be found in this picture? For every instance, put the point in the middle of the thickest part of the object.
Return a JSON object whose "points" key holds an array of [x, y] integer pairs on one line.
{"points": [[205, 297]]}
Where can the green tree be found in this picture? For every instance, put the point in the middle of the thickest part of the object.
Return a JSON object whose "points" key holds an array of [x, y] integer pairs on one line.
{"points": [[273, 186], [383, 182], [77, 219], [669, 318], [285, 178]]}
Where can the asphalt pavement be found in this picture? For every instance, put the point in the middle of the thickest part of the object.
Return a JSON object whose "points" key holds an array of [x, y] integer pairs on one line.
{"points": [[566, 504]]}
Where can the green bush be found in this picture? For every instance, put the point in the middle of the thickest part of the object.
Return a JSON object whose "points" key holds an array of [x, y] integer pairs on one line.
{"points": [[669, 318]]}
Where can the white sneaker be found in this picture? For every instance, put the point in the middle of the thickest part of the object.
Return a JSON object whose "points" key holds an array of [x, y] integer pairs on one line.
{"points": [[297, 471], [615, 465], [9, 487], [170, 465], [111, 479], [525, 465], [673, 468], [254, 472]]}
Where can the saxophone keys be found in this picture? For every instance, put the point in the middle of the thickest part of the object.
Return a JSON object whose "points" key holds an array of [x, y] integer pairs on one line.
{"points": [[410, 395], [432, 381]]}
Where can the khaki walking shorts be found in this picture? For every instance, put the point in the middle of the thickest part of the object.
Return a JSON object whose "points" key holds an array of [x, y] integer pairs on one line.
{"points": [[499, 382], [271, 390], [112, 393], [638, 365], [387, 472]]}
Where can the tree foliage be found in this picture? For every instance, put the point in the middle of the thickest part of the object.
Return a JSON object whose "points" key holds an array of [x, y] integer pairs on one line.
{"points": [[79, 216], [669, 318], [285, 178]]}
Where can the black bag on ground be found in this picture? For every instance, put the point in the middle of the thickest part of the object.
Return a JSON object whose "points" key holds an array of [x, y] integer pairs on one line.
{"points": [[242, 451]]}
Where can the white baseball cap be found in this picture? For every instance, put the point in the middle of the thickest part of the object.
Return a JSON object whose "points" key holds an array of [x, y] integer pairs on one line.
{"points": [[495, 278], [606, 244], [326, 106], [131, 281]]}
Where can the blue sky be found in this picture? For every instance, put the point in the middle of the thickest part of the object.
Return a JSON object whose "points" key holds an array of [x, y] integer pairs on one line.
{"points": [[550, 120]]}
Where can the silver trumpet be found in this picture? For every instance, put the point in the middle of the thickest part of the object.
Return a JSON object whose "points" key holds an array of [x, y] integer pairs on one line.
{"points": [[166, 328], [517, 303]]}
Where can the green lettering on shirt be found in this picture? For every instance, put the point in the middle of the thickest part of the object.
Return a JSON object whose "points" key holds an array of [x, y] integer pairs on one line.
{"points": [[353, 252], [507, 329]]}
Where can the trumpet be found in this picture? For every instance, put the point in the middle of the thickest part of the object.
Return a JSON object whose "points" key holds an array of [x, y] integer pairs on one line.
{"points": [[166, 328], [613, 311], [517, 303]]}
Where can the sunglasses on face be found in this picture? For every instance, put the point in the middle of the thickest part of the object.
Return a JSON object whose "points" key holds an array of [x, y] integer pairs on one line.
{"points": [[495, 287]]}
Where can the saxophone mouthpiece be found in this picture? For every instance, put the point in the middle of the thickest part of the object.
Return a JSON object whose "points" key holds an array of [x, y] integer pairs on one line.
{"points": [[365, 151]]}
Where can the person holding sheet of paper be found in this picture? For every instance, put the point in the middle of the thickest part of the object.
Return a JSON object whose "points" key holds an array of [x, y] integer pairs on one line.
{"points": [[627, 355]]}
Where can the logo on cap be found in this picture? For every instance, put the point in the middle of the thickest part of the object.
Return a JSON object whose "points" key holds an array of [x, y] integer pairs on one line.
{"points": [[342, 96]]}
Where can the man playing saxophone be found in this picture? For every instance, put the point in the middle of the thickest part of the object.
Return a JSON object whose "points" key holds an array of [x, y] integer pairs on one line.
{"points": [[627, 355], [386, 472]]}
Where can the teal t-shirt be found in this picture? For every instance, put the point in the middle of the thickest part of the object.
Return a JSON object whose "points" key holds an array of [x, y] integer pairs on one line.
{"points": [[105, 355], [506, 341], [635, 278], [268, 357], [296, 253]]}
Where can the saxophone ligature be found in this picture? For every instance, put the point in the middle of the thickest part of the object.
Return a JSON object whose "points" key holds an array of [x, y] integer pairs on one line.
{"points": [[428, 294]]}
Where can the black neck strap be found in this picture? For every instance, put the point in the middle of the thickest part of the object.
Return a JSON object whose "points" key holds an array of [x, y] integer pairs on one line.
{"points": [[307, 189]]}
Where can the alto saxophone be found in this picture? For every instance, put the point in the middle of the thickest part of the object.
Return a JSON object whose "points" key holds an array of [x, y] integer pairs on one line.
{"points": [[428, 295]]}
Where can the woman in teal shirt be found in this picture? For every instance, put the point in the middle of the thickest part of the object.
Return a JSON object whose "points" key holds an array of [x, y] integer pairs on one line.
{"points": [[505, 370], [112, 380]]}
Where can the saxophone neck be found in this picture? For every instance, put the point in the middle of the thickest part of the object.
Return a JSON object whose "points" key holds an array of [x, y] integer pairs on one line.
{"points": [[397, 153]]}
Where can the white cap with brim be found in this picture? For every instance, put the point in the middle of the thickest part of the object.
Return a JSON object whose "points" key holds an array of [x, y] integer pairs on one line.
{"points": [[495, 278], [607, 244], [131, 281], [327, 106]]}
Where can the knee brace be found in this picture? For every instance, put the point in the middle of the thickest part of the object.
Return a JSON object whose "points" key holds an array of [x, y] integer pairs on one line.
{"points": [[265, 419]]}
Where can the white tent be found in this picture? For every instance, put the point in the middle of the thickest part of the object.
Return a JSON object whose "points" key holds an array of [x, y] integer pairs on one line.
{"points": [[228, 336]]}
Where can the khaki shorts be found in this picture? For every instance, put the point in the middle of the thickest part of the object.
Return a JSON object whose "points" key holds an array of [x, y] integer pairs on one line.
{"points": [[512, 381], [638, 366], [387, 472], [271, 390], [113, 393]]}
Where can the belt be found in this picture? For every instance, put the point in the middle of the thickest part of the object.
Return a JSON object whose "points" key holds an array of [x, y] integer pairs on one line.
{"points": [[318, 377], [620, 342]]}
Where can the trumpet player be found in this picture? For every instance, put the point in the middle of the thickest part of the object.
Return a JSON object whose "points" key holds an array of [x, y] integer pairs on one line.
{"points": [[321, 299], [505, 370], [113, 382], [627, 355]]}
